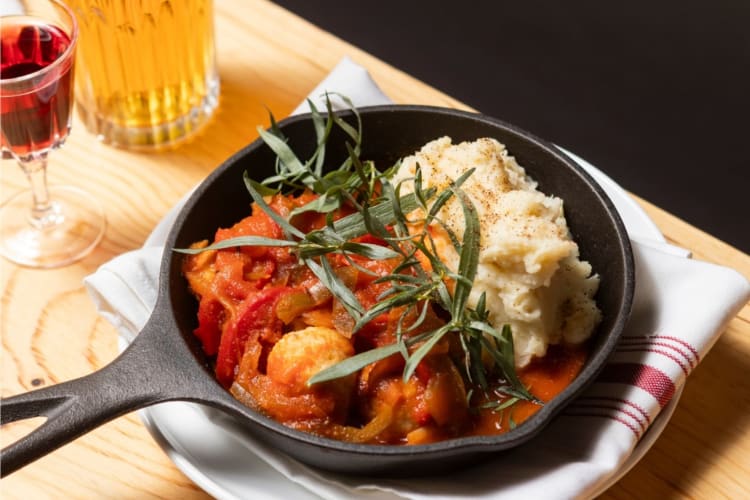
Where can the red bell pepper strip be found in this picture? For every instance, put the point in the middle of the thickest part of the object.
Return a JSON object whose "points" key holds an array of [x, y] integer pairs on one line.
{"points": [[210, 313], [254, 316]]}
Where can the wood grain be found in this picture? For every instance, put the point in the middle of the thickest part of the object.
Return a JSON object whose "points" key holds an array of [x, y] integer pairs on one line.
{"points": [[271, 58]]}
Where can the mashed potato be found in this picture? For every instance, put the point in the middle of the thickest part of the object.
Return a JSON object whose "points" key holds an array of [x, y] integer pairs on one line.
{"points": [[528, 263]]}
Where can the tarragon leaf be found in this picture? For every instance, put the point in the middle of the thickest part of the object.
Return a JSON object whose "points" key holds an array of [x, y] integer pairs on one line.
{"points": [[356, 362], [330, 280], [240, 241], [469, 256], [322, 129], [282, 151], [369, 250], [505, 359], [399, 299], [416, 357], [286, 227], [353, 225], [322, 204]]}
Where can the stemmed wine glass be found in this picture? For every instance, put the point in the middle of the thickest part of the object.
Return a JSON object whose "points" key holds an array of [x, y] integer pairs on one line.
{"points": [[44, 226]]}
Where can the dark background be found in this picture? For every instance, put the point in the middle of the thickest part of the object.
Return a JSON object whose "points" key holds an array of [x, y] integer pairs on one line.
{"points": [[654, 93]]}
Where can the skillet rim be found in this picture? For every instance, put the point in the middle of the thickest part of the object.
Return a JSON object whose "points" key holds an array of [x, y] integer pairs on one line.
{"points": [[467, 444]]}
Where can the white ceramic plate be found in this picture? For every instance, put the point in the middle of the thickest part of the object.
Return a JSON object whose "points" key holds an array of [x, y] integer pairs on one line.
{"points": [[224, 467]]}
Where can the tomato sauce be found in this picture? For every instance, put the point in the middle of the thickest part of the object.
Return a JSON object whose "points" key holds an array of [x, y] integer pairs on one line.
{"points": [[269, 324], [545, 378]]}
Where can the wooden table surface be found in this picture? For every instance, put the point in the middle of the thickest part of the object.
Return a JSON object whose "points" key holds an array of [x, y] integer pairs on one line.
{"points": [[271, 58]]}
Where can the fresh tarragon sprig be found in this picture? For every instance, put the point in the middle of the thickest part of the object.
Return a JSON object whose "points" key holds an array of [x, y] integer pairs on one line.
{"points": [[383, 212]]}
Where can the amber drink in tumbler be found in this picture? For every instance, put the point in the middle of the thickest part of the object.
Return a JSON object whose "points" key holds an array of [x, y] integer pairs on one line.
{"points": [[146, 69]]}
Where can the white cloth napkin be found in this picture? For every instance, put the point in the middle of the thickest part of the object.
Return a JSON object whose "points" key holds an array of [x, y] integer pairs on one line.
{"points": [[681, 307]]}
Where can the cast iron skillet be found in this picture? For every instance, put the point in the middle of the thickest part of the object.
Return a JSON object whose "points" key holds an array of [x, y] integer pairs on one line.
{"points": [[165, 362]]}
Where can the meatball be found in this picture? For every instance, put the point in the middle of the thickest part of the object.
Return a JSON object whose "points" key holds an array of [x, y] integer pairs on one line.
{"points": [[299, 355]]}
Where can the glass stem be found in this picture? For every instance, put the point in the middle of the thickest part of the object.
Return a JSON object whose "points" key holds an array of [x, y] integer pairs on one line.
{"points": [[43, 213]]}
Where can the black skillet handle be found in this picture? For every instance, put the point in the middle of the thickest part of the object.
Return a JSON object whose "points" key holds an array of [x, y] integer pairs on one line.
{"points": [[155, 368]]}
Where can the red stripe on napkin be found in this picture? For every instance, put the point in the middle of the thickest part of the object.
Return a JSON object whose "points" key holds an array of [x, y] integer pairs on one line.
{"points": [[602, 405], [679, 346], [601, 412], [683, 366], [648, 378], [618, 403]]}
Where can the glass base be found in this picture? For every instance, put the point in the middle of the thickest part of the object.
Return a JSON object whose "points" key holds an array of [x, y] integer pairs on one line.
{"points": [[152, 137], [70, 230]]}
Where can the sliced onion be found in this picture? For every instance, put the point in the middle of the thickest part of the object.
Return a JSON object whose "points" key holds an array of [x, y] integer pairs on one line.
{"points": [[342, 320], [292, 305], [382, 420], [243, 396], [319, 293]]}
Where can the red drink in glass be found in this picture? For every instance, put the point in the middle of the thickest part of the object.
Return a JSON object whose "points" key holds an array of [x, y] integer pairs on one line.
{"points": [[45, 226], [34, 117]]}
